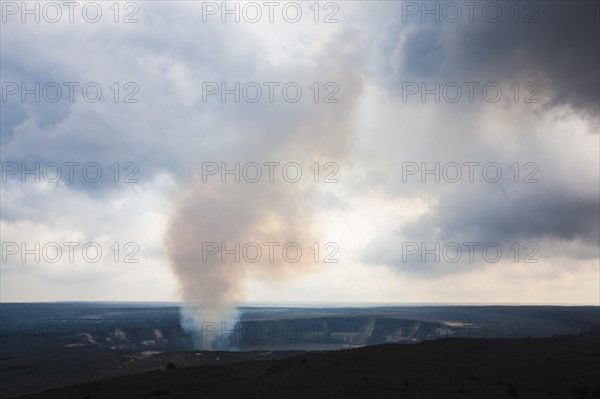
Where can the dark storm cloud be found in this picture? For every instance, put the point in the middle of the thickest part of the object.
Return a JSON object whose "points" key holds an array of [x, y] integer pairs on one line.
{"points": [[559, 48], [508, 216], [560, 53], [500, 216]]}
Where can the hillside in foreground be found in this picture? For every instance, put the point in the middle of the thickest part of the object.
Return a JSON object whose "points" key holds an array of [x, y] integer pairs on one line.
{"points": [[560, 367]]}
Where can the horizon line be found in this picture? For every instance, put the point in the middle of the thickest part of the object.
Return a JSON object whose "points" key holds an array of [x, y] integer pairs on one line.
{"points": [[314, 304]]}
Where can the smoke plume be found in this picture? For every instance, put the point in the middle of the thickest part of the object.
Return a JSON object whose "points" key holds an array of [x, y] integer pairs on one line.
{"points": [[278, 212]]}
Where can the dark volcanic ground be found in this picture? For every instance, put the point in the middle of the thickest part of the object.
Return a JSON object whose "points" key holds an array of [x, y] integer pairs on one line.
{"points": [[52, 369], [52, 345], [558, 367]]}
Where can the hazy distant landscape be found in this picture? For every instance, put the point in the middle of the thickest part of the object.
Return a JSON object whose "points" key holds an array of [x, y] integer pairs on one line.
{"points": [[49, 345]]}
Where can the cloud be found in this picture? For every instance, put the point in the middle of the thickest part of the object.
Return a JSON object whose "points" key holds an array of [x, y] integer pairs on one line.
{"points": [[371, 133], [555, 48]]}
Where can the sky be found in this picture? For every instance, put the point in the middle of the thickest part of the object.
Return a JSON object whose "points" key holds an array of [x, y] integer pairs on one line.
{"points": [[329, 152]]}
